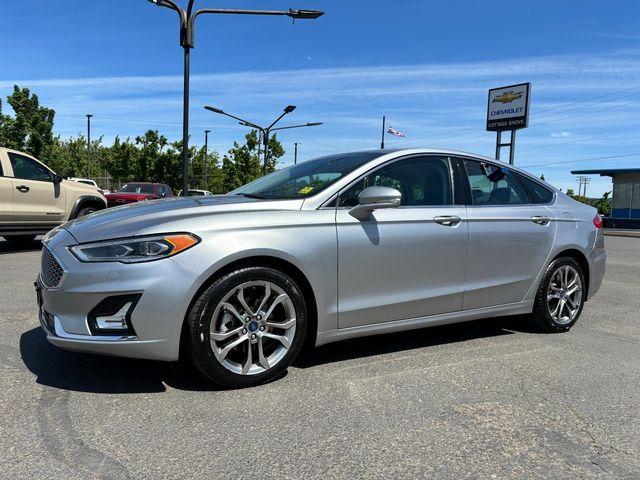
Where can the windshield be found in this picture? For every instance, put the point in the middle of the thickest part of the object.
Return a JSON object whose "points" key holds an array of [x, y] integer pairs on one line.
{"points": [[305, 179], [137, 188]]}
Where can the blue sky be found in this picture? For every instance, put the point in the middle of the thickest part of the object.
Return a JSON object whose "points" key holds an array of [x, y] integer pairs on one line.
{"points": [[426, 65]]}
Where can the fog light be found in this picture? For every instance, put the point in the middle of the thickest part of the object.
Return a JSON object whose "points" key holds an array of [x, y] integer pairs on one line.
{"points": [[117, 321], [112, 316]]}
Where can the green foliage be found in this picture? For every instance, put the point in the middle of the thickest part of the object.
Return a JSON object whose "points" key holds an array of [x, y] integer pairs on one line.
{"points": [[31, 128], [570, 192], [604, 204], [149, 157], [243, 163]]}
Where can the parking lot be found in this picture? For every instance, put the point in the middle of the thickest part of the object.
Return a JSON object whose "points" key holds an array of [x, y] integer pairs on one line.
{"points": [[487, 399]]}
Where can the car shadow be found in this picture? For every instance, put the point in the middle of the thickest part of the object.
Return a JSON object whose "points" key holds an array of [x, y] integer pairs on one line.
{"points": [[67, 370], [58, 368], [412, 339], [9, 247]]}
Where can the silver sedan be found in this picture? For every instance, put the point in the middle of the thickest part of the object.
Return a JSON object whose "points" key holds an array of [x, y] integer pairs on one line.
{"points": [[336, 247]]}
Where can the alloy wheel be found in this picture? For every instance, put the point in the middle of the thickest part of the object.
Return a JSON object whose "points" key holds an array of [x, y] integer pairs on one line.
{"points": [[564, 295], [252, 327]]}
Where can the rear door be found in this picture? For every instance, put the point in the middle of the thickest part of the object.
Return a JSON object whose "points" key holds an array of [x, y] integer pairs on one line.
{"points": [[403, 262], [36, 199], [510, 237]]}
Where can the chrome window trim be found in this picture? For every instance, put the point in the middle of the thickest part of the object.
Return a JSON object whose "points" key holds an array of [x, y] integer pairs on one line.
{"points": [[496, 163], [337, 194]]}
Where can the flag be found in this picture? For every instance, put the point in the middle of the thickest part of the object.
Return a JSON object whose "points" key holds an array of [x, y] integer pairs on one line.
{"points": [[395, 133]]}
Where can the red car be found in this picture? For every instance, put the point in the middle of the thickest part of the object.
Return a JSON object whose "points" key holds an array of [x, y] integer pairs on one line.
{"points": [[138, 192]]}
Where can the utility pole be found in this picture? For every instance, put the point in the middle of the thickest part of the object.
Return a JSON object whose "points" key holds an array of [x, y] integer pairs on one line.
{"points": [[88, 143], [586, 182], [295, 155], [206, 152], [582, 185]]}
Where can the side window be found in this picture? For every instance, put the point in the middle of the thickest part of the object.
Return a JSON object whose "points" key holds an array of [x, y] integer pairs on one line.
{"points": [[538, 194], [28, 169], [422, 181], [499, 190]]}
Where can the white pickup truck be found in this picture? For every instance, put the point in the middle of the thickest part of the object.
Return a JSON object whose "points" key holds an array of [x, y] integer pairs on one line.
{"points": [[33, 199]]}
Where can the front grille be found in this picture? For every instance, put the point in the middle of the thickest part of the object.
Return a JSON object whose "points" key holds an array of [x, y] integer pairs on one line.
{"points": [[50, 270]]}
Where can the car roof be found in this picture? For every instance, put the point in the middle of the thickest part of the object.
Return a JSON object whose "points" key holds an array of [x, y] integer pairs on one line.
{"points": [[453, 152]]}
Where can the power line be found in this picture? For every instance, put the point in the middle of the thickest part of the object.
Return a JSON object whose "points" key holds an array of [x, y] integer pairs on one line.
{"points": [[582, 160]]}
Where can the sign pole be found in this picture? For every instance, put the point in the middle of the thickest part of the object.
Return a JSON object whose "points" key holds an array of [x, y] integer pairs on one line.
{"points": [[382, 142], [498, 144], [512, 147]]}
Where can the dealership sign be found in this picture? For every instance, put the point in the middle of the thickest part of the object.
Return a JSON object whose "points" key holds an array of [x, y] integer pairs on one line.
{"points": [[508, 108]]}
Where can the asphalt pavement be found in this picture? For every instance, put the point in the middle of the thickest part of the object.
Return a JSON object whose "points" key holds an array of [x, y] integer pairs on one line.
{"points": [[490, 399]]}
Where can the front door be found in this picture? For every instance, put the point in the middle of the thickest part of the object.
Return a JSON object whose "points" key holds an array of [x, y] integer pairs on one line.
{"points": [[36, 199], [403, 262]]}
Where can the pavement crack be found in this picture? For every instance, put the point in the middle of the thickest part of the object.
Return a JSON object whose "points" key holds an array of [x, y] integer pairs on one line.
{"points": [[62, 442]]}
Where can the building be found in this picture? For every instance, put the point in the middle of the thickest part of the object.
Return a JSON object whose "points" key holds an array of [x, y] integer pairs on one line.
{"points": [[626, 195]]}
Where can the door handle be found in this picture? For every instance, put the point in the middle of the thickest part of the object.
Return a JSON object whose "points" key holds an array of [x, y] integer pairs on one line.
{"points": [[447, 220], [22, 188], [540, 220]]}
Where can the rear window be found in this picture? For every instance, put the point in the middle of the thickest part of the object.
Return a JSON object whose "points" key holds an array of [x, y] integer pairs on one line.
{"points": [[538, 194]]}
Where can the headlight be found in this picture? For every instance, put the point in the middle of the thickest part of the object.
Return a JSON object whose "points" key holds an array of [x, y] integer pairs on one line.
{"points": [[135, 249]]}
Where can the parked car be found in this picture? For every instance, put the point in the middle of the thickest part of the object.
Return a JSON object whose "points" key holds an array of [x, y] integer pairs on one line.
{"points": [[138, 192], [33, 199], [196, 193], [87, 181], [337, 247]]}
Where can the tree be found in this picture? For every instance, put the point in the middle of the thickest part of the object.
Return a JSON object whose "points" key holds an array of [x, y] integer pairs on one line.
{"points": [[214, 174], [570, 192], [242, 164], [31, 128], [604, 204]]}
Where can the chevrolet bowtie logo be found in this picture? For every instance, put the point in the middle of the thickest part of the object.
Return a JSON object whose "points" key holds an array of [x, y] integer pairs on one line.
{"points": [[508, 97]]}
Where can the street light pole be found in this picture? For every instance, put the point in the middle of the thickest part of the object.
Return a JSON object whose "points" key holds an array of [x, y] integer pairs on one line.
{"points": [[206, 152], [187, 42], [295, 155], [88, 143], [265, 131]]}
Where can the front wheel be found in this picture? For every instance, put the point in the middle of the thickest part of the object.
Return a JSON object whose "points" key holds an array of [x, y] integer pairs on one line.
{"points": [[247, 327], [86, 211], [560, 296]]}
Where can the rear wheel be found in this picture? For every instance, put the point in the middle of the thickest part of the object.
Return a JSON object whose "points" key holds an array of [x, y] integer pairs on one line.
{"points": [[247, 327], [560, 296], [20, 239]]}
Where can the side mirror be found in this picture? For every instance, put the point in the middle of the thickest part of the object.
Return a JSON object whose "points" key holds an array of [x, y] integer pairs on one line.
{"points": [[57, 179], [374, 198]]}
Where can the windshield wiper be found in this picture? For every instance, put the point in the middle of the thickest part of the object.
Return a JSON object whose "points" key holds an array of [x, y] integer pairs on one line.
{"points": [[250, 195]]}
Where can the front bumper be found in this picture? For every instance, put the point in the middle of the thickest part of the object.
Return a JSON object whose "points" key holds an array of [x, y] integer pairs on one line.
{"points": [[165, 290]]}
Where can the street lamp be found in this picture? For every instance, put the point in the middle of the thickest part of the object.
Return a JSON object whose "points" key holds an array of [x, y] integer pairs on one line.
{"points": [[88, 143], [265, 131], [187, 42], [206, 152]]}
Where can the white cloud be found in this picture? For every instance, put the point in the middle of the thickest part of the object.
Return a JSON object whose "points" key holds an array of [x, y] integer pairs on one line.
{"points": [[560, 135]]}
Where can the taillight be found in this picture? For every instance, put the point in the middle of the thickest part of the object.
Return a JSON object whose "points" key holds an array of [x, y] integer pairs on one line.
{"points": [[597, 221]]}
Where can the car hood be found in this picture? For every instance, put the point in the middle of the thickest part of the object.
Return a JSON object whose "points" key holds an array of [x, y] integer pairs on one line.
{"points": [[132, 219]]}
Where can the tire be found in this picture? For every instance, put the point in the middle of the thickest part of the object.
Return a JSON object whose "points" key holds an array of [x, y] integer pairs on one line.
{"points": [[560, 299], [86, 211], [225, 338], [20, 239]]}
